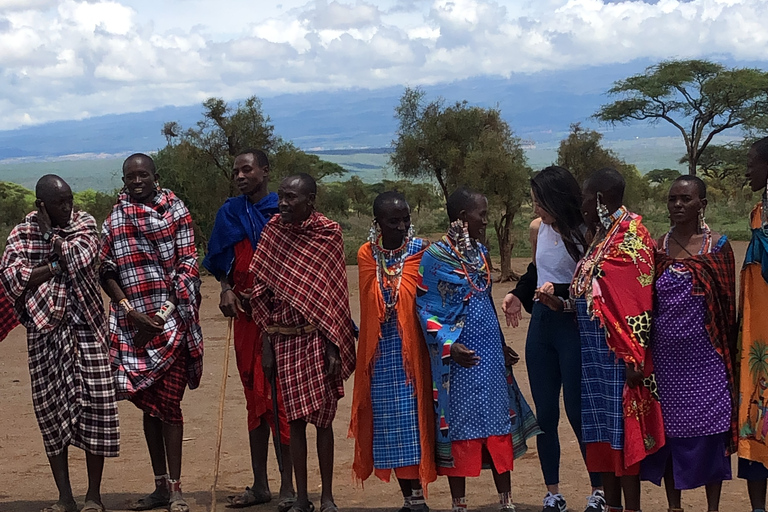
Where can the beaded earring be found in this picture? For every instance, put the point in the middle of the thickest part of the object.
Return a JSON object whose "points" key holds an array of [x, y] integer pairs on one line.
{"points": [[702, 220], [602, 212], [374, 233]]}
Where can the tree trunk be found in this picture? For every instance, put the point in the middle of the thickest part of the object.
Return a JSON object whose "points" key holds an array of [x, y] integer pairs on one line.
{"points": [[692, 162], [503, 229]]}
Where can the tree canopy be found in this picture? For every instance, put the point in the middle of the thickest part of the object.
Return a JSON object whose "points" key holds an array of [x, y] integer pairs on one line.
{"points": [[698, 97], [582, 153], [197, 162], [463, 145]]}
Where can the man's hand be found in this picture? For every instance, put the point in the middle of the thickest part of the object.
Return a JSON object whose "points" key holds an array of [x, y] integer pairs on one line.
{"points": [[634, 377], [43, 219], [511, 357], [464, 357], [551, 301], [147, 327], [513, 309], [267, 357], [332, 359], [230, 304]]}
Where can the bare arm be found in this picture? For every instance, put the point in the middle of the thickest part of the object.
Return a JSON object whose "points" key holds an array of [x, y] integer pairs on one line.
{"points": [[533, 237]]}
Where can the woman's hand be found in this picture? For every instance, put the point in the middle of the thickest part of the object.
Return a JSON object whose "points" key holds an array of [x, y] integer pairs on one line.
{"points": [[464, 357], [511, 357], [634, 377], [513, 309]]}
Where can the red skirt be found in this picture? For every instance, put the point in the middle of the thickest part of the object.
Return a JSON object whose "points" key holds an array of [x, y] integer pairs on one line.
{"points": [[601, 458], [470, 455]]}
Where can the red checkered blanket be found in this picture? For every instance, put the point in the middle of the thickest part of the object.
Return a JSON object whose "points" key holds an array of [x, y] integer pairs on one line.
{"points": [[152, 249], [304, 266]]}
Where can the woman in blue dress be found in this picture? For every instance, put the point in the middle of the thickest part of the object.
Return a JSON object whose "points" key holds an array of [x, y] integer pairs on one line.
{"points": [[480, 414]]}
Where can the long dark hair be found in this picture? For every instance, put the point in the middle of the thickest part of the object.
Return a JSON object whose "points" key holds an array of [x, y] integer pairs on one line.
{"points": [[559, 194]]}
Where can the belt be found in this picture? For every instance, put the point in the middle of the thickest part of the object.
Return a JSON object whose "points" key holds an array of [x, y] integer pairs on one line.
{"points": [[290, 331]]}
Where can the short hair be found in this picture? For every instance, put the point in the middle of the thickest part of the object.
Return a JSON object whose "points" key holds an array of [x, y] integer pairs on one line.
{"points": [[700, 185], [761, 148], [386, 198], [48, 185], [461, 199], [259, 155], [308, 183], [609, 182], [141, 155]]}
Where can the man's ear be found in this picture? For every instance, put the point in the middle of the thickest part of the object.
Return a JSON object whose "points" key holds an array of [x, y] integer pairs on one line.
{"points": [[157, 176], [312, 198]]}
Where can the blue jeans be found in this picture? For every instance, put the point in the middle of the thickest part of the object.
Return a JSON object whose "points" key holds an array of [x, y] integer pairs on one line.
{"points": [[553, 358]]}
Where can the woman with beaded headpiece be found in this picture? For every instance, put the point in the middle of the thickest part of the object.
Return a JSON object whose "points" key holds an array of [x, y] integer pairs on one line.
{"points": [[613, 292], [481, 418], [753, 356], [392, 417], [692, 341]]}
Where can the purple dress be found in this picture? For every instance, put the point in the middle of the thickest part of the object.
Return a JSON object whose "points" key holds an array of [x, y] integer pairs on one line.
{"points": [[693, 386]]}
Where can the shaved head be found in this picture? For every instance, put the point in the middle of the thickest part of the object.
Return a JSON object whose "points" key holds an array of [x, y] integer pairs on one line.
{"points": [[50, 187], [55, 196], [140, 156]]}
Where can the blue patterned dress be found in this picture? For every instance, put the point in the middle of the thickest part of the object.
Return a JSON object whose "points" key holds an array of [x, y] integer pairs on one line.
{"points": [[396, 440]]}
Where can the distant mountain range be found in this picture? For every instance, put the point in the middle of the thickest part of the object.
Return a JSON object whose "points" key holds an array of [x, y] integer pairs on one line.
{"points": [[539, 107]]}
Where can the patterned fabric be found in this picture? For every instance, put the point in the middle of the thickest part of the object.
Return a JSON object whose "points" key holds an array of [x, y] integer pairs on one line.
{"points": [[602, 384], [693, 339], [753, 356], [616, 277], [151, 247], [72, 384], [446, 302], [248, 352], [300, 279], [303, 266], [8, 320], [163, 398], [238, 219], [392, 418]]}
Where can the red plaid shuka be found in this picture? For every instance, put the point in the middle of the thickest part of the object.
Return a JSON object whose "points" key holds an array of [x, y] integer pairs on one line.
{"points": [[152, 249], [8, 320], [714, 278], [300, 278], [72, 385]]}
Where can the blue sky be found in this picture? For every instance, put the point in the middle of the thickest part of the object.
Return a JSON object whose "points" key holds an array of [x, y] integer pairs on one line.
{"points": [[73, 59]]}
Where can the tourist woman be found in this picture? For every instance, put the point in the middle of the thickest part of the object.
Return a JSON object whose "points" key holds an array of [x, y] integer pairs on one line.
{"points": [[552, 349], [392, 410], [480, 414], [693, 338], [613, 290]]}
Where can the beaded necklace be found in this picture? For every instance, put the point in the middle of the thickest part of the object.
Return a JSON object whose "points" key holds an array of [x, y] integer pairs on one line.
{"points": [[706, 241], [389, 276], [471, 259], [582, 282]]}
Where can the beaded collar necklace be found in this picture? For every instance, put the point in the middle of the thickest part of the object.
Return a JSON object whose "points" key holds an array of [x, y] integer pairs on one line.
{"points": [[390, 276]]}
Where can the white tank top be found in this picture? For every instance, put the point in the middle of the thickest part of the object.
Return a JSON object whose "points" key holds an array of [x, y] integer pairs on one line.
{"points": [[553, 263]]}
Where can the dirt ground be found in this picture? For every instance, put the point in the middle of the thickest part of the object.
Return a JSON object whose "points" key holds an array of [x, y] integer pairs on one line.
{"points": [[26, 484]]}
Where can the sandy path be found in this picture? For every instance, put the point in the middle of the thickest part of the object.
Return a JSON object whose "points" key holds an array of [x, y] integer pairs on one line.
{"points": [[26, 484]]}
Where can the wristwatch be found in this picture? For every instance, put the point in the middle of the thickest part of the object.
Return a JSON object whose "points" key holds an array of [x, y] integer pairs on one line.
{"points": [[47, 236]]}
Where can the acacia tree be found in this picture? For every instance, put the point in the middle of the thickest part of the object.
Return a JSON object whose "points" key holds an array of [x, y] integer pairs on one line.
{"points": [[462, 145], [197, 162], [723, 167], [698, 97]]}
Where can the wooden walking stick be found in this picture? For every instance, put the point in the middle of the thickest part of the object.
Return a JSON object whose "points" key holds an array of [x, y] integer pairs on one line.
{"points": [[221, 416]]}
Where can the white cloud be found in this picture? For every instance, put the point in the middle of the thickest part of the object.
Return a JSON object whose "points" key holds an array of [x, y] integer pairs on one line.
{"points": [[70, 59]]}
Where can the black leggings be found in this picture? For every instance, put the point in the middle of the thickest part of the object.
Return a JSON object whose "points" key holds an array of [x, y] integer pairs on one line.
{"points": [[553, 358]]}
